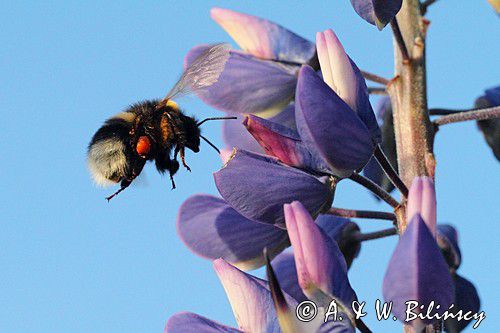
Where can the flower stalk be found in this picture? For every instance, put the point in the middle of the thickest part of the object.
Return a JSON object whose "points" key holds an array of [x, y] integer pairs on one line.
{"points": [[408, 92], [362, 214], [375, 78], [393, 176], [399, 39], [375, 189], [377, 90], [375, 235], [481, 114]]}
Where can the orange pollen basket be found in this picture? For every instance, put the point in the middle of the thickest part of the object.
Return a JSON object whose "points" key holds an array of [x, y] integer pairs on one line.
{"points": [[143, 146]]}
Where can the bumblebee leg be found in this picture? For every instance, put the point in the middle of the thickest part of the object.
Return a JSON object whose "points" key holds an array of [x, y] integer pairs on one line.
{"points": [[174, 166], [183, 159], [124, 184], [176, 151]]}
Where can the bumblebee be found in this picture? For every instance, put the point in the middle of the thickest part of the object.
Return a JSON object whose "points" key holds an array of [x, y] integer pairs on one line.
{"points": [[155, 130]]}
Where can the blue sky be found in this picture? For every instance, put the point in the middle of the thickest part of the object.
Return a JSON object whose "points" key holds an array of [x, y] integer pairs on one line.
{"points": [[70, 262]]}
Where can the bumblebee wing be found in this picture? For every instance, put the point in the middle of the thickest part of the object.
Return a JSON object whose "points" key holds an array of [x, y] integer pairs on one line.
{"points": [[203, 71]]}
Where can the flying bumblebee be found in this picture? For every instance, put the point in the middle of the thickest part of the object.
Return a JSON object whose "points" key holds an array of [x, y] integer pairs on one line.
{"points": [[151, 130]]}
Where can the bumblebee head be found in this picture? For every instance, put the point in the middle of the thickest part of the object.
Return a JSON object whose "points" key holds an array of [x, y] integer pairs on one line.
{"points": [[192, 134]]}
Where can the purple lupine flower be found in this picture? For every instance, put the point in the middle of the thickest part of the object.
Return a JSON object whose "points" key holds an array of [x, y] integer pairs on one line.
{"points": [[250, 300], [466, 296], [338, 229], [372, 170], [252, 304], [211, 228], [236, 135], [466, 299], [264, 75], [341, 230], [422, 201], [377, 12], [262, 38], [490, 127], [283, 143], [417, 272], [286, 273], [447, 239], [321, 268], [188, 322], [334, 117], [225, 155], [345, 79], [257, 186], [288, 317]]}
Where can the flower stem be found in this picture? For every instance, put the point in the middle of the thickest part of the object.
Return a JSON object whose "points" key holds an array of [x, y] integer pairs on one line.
{"points": [[375, 189], [362, 214], [445, 112], [389, 171], [377, 90], [375, 235], [375, 78], [399, 39], [481, 114]]}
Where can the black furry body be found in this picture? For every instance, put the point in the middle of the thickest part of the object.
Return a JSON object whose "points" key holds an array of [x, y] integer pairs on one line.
{"points": [[112, 152]]}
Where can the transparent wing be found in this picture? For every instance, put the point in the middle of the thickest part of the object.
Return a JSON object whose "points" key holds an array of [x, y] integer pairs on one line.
{"points": [[203, 71]]}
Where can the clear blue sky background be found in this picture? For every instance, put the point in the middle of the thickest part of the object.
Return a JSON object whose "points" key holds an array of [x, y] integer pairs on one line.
{"points": [[70, 262]]}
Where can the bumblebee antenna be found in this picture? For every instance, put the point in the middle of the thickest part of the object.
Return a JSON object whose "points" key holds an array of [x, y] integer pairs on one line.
{"points": [[210, 143], [214, 118]]}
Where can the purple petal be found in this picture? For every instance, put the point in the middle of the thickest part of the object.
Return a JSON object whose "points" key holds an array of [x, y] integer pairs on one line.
{"points": [[422, 200], [340, 229], [249, 84], [212, 229], [466, 299], [344, 77], [417, 272], [282, 142], [187, 322], [493, 96], [490, 127], [337, 326], [262, 38], [364, 108], [225, 155], [328, 127], [377, 12], [285, 117], [236, 135], [250, 299], [257, 186], [373, 170], [336, 67], [447, 239], [286, 272], [320, 264]]}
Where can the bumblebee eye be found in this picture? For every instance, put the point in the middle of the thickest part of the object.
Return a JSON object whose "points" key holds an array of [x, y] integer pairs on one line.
{"points": [[143, 146]]}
